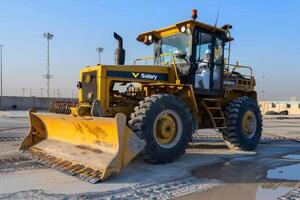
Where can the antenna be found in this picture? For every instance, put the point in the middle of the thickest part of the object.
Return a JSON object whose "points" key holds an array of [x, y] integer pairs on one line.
{"points": [[218, 13]]}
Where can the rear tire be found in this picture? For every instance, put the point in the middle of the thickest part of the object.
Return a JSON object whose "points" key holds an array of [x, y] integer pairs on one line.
{"points": [[244, 124], [166, 125]]}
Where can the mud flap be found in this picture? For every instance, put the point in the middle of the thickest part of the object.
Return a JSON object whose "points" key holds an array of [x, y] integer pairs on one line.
{"points": [[91, 148]]}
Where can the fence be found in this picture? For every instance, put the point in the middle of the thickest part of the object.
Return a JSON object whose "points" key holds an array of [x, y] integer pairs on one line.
{"points": [[24, 103], [41, 92]]}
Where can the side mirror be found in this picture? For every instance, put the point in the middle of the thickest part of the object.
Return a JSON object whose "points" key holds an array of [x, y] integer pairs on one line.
{"points": [[180, 54], [227, 27]]}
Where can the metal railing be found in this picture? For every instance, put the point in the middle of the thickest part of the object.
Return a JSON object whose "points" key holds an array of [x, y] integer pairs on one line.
{"points": [[234, 67], [154, 59], [161, 63], [231, 68]]}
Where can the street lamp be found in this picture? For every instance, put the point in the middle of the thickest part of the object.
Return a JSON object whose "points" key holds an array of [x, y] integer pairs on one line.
{"points": [[48, 36], [99, 50]]}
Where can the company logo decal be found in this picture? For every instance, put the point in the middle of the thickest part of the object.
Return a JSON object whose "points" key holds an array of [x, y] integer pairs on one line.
{"points": [[135, 75], [144, 76], [229, 82], [148, 76], [138, 75]]}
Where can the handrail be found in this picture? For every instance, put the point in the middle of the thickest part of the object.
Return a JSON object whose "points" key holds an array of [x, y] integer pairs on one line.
{"points": [[173, 63], [153, 57], [143, 58], [237, 66]]}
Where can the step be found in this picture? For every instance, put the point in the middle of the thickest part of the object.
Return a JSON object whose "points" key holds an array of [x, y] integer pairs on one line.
{"points": [[214, 108], [218, 117], [211, 99], [221, 127]]}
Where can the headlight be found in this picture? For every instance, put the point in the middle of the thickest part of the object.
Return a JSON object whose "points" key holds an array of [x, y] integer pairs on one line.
{"points": [[79, 85], [145, 39], [188, 31], [150, 38], [183, 29], [90, 95]]}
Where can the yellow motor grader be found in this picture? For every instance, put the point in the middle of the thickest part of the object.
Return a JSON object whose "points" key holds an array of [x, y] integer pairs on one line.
{"points": [[152, 107]]}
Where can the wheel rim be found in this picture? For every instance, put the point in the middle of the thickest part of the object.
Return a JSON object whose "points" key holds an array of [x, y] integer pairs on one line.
{"points": [[249, 124], [167, 128]]}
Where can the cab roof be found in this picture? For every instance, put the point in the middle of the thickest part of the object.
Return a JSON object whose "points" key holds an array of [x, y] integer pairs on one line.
{"points": [[191, 24]]}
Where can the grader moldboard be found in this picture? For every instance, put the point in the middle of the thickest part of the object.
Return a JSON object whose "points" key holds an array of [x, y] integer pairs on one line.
{"points": [[152, 107]]}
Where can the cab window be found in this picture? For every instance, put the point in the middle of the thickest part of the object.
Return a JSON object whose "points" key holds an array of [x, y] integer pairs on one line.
{"points": [[218, 63], [203, 61], [172, 44], [205, 43]]}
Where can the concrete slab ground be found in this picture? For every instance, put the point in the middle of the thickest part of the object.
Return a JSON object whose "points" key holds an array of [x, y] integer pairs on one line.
{"points": [[25, 179]]}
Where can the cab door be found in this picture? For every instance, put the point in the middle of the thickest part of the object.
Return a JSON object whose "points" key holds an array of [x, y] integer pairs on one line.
{"points": [[209, 64]]}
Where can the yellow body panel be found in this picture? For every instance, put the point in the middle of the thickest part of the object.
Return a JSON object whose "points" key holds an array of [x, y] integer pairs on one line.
{"points": [[104, 82], [170, 30]]}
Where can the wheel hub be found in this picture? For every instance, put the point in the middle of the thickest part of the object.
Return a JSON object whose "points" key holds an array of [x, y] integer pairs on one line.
{"points": [[166, 128], [249, 124]]}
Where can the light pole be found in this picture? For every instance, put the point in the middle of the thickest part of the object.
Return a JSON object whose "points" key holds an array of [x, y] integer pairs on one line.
{"points": [[263, 95], [262, 98], [48, 36], [1, 47], [99, 50], [263, 91]]}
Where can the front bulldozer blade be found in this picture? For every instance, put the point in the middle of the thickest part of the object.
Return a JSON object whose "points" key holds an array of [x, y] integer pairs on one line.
{"points": [[91, 148]]}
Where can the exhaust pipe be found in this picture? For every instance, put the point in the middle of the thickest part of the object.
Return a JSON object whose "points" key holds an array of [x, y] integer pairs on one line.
{"points": [[119, 51]]}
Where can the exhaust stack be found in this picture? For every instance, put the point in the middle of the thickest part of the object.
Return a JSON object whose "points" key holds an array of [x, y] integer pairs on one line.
{"points": [[119, 51]]}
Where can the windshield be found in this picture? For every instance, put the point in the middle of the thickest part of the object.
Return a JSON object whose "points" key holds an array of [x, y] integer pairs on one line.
{"points": [[171, 44]]}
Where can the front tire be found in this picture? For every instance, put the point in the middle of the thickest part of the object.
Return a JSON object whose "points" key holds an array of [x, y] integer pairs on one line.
{"points": [[166, 125], [244, 124]]}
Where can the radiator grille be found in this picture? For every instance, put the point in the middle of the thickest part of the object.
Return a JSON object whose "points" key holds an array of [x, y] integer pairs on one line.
{"points": [[89, 85]]}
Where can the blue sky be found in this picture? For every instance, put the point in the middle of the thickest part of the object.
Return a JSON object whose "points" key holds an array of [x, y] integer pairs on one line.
{"points": [[265, 32]]}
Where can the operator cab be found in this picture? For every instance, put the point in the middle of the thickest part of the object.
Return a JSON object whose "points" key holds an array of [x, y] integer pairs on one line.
{"points": [[198, 49]]}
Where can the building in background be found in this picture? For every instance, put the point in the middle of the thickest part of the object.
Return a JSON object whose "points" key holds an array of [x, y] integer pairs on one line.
{"points": [[292, 106]]}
